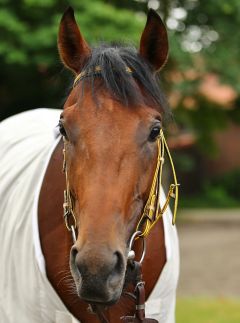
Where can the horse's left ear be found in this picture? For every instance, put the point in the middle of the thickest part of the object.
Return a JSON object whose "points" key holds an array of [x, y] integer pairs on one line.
{"points": [[72, 47], [154, 41]]}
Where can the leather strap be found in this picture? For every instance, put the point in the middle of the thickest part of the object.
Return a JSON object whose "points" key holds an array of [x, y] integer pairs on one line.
{"points": [[139, 292]]}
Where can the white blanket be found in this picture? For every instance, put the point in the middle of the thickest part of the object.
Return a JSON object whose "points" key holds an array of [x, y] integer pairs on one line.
{"points": [[27, 141]]}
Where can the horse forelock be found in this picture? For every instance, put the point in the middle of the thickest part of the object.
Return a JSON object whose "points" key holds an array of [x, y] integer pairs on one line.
{"points": [[124, 86]]}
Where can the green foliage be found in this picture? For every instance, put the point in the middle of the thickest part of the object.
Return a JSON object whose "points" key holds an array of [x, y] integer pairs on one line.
{"points": [[29, 32], [208, 42], [219, 192], [183, 162], [28, 47], [223, 17], [204, 120], [230, 182], [29, 28]]}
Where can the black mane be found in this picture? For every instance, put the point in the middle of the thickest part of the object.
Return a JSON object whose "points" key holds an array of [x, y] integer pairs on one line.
{"points": [[113, 61]]}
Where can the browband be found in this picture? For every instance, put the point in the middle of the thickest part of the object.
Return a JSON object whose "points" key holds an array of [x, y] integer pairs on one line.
{"points": [[96, 70]]}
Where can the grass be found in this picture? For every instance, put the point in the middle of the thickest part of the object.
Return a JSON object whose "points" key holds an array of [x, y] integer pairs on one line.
{"points": [[212, 310]]}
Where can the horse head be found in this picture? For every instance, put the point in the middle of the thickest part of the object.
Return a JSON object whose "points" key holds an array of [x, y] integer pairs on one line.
{"points": [[110, 123]]}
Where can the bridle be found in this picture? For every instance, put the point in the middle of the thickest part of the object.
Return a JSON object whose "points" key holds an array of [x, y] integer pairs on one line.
{"points": [[152, 212]]}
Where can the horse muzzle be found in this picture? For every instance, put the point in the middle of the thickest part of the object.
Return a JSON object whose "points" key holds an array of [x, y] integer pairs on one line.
{"points": [[98, 274]]}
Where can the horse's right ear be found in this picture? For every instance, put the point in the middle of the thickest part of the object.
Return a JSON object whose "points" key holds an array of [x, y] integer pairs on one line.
{"points": [[73, 49], [154, 41]]}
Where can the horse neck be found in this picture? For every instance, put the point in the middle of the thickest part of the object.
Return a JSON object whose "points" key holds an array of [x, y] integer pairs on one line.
{"points": [[56, 242]]}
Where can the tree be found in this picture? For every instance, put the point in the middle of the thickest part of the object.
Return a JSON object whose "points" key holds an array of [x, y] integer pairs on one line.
{"points": [[30, 65]]}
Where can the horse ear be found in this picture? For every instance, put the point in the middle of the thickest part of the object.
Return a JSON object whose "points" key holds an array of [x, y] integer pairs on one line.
{"points": [[154, 41], [72, 47]]}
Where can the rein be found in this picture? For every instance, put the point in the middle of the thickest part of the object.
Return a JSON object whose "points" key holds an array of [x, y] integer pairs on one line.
{"points": [[152, 212]]}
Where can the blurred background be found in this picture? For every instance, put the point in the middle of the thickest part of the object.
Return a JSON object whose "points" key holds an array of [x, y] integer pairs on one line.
{"points": [[202, 83]]}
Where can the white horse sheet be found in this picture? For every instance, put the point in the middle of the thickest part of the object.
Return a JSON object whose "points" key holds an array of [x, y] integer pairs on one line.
{"points": [[27, 141]]}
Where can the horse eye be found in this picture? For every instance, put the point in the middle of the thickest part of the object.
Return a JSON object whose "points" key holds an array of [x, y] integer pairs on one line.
{"points": [[61, 129], [155, 131]]}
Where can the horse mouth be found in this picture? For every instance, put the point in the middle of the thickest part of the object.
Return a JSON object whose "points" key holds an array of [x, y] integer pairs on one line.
{"points": [[96, 281], [105, 298], [100, 300], [95, 291]]}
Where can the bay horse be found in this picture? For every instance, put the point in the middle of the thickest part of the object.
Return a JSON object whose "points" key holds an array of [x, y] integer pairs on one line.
{"points": [[111, 151]]}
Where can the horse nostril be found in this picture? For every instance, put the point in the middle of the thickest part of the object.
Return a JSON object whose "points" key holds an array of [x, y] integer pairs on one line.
{"points": [[119, 263], [74, 252], [115, 276], [77, 264]]}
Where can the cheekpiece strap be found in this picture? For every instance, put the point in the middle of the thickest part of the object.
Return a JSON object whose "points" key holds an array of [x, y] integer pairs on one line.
{"points": [[153, 209], [68, 212]]}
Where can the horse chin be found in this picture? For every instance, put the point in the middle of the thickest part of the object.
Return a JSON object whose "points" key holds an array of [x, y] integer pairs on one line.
{"points": [[102, 302], [98, 296]]}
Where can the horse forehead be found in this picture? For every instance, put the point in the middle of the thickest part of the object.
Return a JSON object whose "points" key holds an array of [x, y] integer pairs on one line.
{"points": [[115, 129], [106, 115], [105, 123]]}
